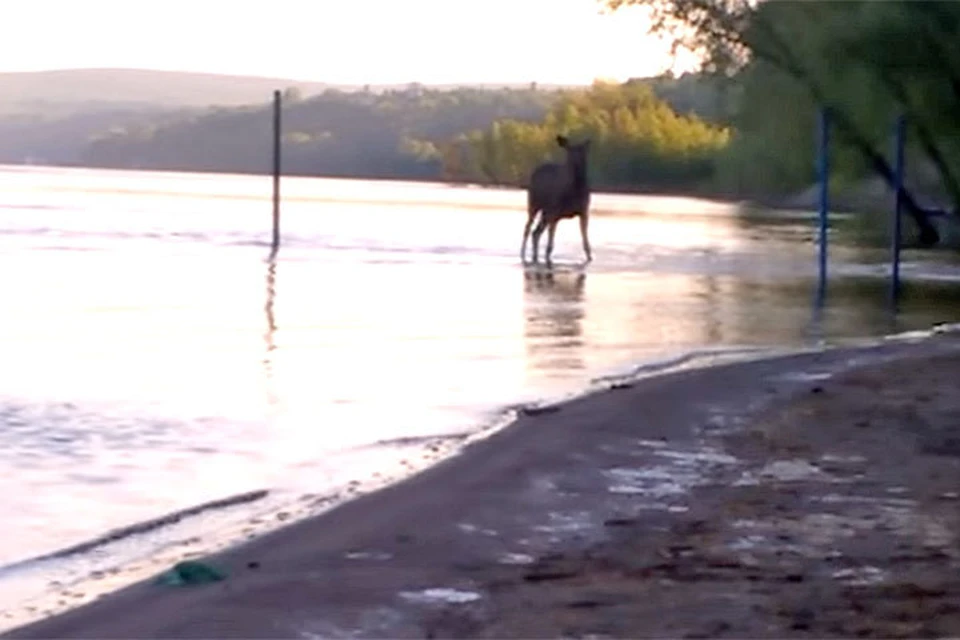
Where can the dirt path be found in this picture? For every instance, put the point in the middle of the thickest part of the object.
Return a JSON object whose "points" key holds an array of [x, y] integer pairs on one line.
{"points": [[813, 496]]}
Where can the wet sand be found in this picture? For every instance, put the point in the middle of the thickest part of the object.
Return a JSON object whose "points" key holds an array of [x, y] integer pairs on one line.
{"points": [[807, 496]]}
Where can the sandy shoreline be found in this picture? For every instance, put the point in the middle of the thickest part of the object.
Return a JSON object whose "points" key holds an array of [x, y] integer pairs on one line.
{"points": [[523, 533]]}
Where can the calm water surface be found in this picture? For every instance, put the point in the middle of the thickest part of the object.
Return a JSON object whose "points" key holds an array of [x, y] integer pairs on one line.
{"points": [[153, 359]]}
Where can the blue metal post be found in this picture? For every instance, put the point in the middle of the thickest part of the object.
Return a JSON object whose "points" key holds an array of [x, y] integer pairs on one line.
{"points": [[823, 168], [898, 169]]}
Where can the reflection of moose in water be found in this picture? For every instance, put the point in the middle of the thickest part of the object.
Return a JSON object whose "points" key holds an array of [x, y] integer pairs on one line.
{"points": [[554, 313], [268, 335], [558, 191]]}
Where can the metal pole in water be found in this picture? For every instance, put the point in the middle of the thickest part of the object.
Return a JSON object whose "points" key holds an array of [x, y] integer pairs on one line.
{"points": [[898, 169], [823, 168], [275, 245]]}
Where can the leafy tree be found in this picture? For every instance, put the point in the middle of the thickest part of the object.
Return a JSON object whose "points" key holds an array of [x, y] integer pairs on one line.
{"points": [[639, 141], [865, 60]]}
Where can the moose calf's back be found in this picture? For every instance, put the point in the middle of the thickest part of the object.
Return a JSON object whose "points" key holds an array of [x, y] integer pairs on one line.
{"points": [[550, 182]]}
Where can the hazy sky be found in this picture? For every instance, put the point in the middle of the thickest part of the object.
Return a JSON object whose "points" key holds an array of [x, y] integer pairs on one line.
{"points": [[353, 41]]}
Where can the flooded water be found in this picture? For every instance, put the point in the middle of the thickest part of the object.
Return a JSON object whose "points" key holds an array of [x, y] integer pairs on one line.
{"points": [[153, 358]]}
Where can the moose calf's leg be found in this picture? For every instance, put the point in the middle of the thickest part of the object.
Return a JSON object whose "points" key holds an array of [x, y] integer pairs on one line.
{"points": [[526, 234], [584, 220], [550, 233], [537, 232]]}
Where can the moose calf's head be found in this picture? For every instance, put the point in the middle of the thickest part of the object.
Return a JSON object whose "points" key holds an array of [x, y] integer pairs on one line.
{"points": [[576, 153]]}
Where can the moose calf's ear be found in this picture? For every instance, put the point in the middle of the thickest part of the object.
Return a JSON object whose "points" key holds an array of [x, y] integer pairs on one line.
{"points": [[562, 141]]}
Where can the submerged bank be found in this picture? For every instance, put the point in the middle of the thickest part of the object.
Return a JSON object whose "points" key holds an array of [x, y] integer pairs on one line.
{"points": [[688, 503]]}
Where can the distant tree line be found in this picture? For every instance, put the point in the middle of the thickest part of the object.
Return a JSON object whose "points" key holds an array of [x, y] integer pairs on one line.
{"points": [[490, 136], [639, 142], [392, 134], [653, 134]]}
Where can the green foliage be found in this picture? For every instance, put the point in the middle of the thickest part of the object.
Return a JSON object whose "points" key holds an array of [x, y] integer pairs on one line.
{"points": [[866, 60], [711, 97], [774, 147], [639, 142]]}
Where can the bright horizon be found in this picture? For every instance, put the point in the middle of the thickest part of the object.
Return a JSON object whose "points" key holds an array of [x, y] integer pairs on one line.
{"points": [[360, 42]]}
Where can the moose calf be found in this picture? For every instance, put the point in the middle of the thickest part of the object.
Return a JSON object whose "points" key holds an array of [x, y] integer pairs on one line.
{"points": [[558, 191]]}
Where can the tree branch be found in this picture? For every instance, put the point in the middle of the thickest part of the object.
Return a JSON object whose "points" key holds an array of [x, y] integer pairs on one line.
{"points": [[928, 232], [925, 136]]}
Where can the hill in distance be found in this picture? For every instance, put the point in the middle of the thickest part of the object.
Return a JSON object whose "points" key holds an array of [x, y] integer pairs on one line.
{"points": [[133, 87], [70, 90]]}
